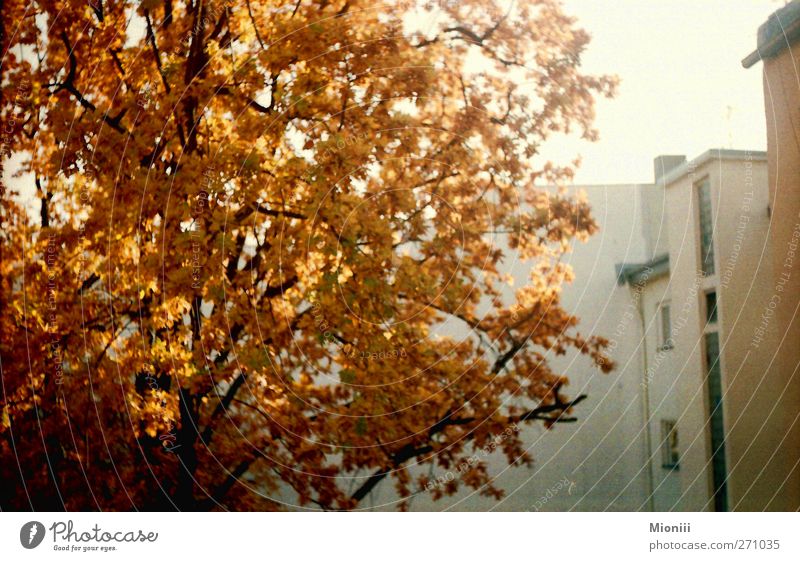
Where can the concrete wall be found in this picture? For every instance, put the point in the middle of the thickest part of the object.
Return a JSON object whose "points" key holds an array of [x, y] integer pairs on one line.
{"points": [[782, 104], [745, 285]]}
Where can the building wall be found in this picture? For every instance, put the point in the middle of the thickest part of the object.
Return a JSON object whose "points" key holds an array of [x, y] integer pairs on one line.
{"points": [[655, 228], [605, 454], [685, 284], [756, 460], [745, 287], [782, 104], [661, 379]]}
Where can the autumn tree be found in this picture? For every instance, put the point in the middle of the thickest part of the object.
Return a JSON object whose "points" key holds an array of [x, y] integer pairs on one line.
{"points": [[242, 230]]}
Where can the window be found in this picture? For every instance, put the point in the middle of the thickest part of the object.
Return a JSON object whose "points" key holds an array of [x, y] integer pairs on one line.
{"points": [[666, 326], [669, 445], [706, 228], [711, 306], [714, 379]]}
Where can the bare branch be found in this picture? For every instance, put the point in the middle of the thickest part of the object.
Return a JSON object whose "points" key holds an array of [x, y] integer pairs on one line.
{"points": [[69, 85]]}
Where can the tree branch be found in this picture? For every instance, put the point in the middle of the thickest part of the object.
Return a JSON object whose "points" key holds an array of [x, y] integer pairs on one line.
{"points": [[223, 488], [403, 455], [275, 212], [222, 406], [151, 38], [411, 451], [69, 85], [255, 27], [45, 199]]}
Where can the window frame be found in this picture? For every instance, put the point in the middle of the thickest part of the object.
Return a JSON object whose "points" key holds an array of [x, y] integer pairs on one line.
{"points": [[716, 427], [670, 455], [708, 267], [707, 312], [665, 342]]}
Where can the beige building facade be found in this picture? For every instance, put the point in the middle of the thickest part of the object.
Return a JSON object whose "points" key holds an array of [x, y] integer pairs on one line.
{"points": [[720, 402], [778, 48], [721, 280]]}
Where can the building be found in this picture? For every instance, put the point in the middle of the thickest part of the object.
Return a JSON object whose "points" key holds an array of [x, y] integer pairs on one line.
{"points": [[697, 414], [778, 48], [716, 334], [717, 378]]}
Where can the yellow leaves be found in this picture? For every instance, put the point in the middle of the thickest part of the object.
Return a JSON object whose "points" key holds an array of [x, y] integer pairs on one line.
{"points": [[173, 358], [345, 273], [170, 311], [383, 202]]}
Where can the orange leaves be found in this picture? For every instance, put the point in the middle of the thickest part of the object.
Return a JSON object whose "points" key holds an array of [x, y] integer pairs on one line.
{"points": [[299, 218]]}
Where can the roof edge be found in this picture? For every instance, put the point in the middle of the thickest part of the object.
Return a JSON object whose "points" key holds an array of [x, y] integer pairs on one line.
{"points": [[642, 273], [781, 29], [707, 156]]}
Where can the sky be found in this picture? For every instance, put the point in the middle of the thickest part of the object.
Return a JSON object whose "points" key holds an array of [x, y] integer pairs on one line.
{"points": [[683, 89]]}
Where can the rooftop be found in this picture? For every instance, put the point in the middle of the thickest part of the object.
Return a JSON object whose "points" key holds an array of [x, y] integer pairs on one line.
{"points": [[707, 156], [781, 30]]}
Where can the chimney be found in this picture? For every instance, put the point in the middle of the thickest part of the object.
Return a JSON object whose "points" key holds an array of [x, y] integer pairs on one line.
{"points": [[662, 165]]}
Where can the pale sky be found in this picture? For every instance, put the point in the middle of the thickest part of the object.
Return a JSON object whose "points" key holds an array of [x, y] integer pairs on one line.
{"points": [[683, 89]]}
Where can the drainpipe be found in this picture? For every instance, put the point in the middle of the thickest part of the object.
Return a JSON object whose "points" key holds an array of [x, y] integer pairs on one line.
{"points": [[648, 444]]}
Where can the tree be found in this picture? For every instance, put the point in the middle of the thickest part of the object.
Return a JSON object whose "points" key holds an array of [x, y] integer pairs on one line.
{"points": [[252, 220]]}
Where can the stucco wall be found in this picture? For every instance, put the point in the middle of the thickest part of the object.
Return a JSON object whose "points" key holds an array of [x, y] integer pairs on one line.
{"points": [[757, 457], [661, 378], [782, 103]]}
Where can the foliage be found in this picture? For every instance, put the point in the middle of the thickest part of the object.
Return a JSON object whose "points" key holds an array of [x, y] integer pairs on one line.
{"points": [[253, 220]]}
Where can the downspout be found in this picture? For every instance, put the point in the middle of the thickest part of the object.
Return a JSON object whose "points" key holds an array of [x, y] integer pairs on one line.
{"points": [[646, 402]]}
